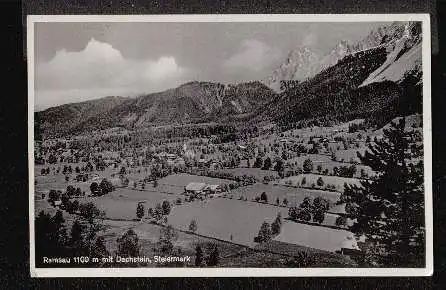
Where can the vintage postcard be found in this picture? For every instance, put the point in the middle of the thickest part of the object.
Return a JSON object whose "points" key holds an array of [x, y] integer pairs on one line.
{"points": [[230, 145]]}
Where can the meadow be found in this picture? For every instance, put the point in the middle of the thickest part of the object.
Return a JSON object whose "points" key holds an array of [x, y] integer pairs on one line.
{"points": [[312, 236], [294, 195], [122, 203], [226, 219], [222, 218], [183, 179], [310, 179]]}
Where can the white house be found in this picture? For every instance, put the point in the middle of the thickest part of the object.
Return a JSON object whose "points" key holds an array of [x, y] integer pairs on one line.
{"points": [[213, 188]]}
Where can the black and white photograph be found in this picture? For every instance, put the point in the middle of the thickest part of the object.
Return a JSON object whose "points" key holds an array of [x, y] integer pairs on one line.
{"points": [[230, 145]]}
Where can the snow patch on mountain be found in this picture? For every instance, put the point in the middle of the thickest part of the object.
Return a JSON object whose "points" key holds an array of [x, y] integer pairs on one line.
{"points": [[394, 68]]}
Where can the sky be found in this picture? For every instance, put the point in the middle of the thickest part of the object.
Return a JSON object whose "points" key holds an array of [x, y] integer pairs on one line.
{"points": [[76, 62]]}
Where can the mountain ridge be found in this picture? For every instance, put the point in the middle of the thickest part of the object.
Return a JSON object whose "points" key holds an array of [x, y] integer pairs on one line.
{"points": [[297, 67], [375, 78], [190, 102]]}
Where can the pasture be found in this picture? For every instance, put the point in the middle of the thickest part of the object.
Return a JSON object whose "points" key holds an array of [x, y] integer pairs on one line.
{"points": [[337, 181], [257, 172], [122, 203], [44, 183], [231, 255], [183, 179], [326, 163], [312, 236], [294, 195], [221, 218]]}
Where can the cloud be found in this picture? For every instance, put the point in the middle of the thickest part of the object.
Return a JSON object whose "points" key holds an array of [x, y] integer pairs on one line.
{"points": [[163, 68], [101, 69], [254, 55]]}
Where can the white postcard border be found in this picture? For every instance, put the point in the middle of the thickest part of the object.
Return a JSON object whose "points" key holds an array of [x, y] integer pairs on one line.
{"points": [[240, 272]]}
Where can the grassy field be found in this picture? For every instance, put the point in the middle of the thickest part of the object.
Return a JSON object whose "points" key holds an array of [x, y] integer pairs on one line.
{"points": [[45, 183], [350, 155], [257, 172], [312, 236], [326, 163], [312, 178], [231, 255], [122, 203], [222, 218], [183, 179], [293, 195]]}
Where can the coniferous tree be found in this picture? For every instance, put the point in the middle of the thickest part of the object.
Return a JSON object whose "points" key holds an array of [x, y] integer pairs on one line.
{"points": [[308, 166], [140, 210], [168, 235], [258, 163], [264, 233], [389, 208], [193, 226], [276, 226], [128, 244], [214, 257], [267, 164], [198, 256], [77, 239], [51, 236], [99, 250]]}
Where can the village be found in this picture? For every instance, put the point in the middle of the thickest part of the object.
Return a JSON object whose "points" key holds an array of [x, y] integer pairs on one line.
{"points": [[233, 192]]}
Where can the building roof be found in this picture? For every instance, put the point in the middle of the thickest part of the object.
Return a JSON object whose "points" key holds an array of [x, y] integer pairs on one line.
{"points": [[195, 186], [212, 186], [350, 243]]}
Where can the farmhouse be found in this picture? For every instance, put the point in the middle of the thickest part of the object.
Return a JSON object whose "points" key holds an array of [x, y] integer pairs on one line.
{"points": [[350, 247], [212, 188], [195, 188]]}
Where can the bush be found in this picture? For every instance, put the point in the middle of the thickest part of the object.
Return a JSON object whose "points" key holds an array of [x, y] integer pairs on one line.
{"points": [[308, 166], [276, 226], [304, 214], [54, 195], [264, 197], [94, 188], [166, 207], [341, 221], [301, 260], [128, 244], [167, 236], [264, 233], [320, 181], [318, 216], [139, 210], [285, 202], [193, 226]]}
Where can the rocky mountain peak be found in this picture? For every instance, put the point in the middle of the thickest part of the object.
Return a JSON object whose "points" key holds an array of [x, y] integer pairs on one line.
{"points": [[303, 63]]}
